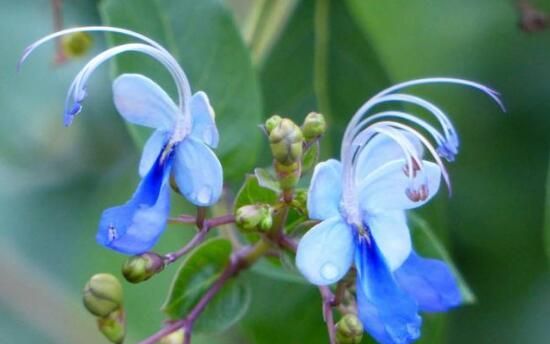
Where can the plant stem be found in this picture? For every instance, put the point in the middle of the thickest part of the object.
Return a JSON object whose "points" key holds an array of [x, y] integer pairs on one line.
{"points": [[239, 260], [200, 236], [328, 300]]}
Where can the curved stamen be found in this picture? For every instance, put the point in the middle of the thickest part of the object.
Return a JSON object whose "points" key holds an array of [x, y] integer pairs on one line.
{"points": [[406, 116], [78, 85], [452, 141], [151, 48], [350, 192], [348, 137]]}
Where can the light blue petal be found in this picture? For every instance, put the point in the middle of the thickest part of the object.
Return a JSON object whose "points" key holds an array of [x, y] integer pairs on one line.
{"points": [[198, 172], [392, 235], [325, 190], [325, 252], [380, 150], [388, 314], [430, 282], [141, 101], [135, 227], [204, 120], [385, 188], [152, 149]]}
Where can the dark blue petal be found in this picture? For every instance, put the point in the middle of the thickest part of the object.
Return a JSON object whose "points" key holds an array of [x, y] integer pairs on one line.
{"points": [[430, 282], [135, 227], [70, 114], [388, 314]]}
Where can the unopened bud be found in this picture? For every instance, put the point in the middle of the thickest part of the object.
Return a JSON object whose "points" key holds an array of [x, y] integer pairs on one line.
{"points": [[286, 141], [300, 201], [314, 126], [76, 44], [272, 122], [102, 295], [288, 175], [173, 338], [349, 330], [140, 268], [113, 326], [254, 217]]}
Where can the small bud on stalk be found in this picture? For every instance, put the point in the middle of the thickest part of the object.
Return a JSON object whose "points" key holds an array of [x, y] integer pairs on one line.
{"points": [[140, 268], [349, 330], [76, 44], [113, 326], [254, 217], [102, 295], [272, 122], [314, 126]]}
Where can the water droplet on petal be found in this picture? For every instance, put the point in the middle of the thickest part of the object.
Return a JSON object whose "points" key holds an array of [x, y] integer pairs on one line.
{"points": [[204, 195], [329, 271]]}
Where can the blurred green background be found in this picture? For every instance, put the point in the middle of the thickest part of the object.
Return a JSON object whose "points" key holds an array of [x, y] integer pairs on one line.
{"points": [[255, 58]]}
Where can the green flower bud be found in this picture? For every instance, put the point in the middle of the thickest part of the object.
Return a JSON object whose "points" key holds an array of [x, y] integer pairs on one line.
{"points": [[300, 201], [286, 142], [113, 326], [272, 122], [102, 295], [76, 44], [349, 330], [254, 217], [140, 268], [173, 338], [288, 175], [314, 126]]}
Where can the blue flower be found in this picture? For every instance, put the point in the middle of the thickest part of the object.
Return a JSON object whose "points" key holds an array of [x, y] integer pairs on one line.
{"points": [[180, 146], [361, 203]]}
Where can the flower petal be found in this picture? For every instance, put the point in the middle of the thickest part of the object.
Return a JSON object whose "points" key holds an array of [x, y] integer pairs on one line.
{"points": [[325, 252], [386, 188], [204, 120], [430, 282], [325, 190], [135, 227], [387, 313], [198, 172], [380, 150], [141, 101], [392, 235], [151, 150]]}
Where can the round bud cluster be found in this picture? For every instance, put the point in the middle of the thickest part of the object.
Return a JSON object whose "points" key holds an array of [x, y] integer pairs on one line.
{"points": [[254, 217], [286, 142], [102, 297]]}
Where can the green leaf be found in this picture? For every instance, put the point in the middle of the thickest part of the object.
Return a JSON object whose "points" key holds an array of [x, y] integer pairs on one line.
{"points": [[310, 158], [267, 180], [278, 270], [426, 242], [205, 41], [226, 308], [251, 193], [197, 273], [321, 62], [547, 213]]}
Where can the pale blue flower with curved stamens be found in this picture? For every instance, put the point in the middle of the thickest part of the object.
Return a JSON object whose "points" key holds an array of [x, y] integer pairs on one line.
{"points": [[361, 203], [181, 145]]}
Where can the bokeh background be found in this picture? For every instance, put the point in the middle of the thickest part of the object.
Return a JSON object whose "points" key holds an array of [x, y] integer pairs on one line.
{"points": [[255, 58]]}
